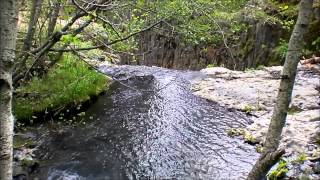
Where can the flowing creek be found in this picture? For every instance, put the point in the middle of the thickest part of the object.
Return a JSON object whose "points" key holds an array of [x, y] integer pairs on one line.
{"points": [[149, 125]]}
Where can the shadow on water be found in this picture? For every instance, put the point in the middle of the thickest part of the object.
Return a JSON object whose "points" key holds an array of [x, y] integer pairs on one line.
{"points": [[149, 125]]}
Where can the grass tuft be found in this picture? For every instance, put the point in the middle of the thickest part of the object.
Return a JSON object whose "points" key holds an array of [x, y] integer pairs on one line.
{"points": [[70, 81]]}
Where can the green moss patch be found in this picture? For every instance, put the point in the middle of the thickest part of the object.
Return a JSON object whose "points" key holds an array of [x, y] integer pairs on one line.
{"points": [[246, 135], [300, 159], [294, 109], [279, 171], [20, 141], [70, 81]]}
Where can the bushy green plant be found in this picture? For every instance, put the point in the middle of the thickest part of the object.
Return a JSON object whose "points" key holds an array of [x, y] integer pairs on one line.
{"points": [[260, 67], [316, 43], [281, 49], [199, 21], [294, 109], [70, 81], [300, 159], [210, 65], [279, 171], [249, 69], [248, 108], [264, 17]]}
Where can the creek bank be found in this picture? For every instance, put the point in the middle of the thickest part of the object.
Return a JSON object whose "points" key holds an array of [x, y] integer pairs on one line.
{"points": [[26, 143], [254, 92], [60, 98], [68, 83], [160, 101]]}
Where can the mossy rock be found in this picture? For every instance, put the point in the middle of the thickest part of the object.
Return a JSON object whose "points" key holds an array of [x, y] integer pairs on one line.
{"points": [[20, 141], [299, 159], [246, 135], [279, 171], [294, 109], [248, 138], [233, 132], [28, 162]]}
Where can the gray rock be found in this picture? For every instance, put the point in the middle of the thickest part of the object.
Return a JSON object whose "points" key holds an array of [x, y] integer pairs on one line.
{"points": [[316, 168], [19, 173], [255, 92], [306, 168]]}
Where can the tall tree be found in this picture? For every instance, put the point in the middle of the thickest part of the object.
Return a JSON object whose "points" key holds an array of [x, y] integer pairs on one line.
{"points": [[8, 32], [53, 16], [34, 15], [271, 154], [27, 42]]}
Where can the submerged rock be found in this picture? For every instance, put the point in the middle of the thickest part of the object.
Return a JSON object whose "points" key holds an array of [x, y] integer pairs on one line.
{"points": [[23, 155], [316, 168]]}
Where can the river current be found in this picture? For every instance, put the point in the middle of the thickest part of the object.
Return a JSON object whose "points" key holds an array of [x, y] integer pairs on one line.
{"points": [[149, 125]]}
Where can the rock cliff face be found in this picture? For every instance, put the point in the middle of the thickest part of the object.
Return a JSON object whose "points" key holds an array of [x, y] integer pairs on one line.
{"points": [[257, 45], [255, 42], [254, 47], [169, 52]]}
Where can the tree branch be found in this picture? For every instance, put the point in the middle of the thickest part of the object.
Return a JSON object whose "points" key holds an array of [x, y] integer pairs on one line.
{"points": [[312, 60], [96, 16], [264, 164], [110, 43]]}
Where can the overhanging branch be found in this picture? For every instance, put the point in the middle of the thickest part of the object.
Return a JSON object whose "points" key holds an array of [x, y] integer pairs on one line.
{"points": [[96, 16], [107, 44]]}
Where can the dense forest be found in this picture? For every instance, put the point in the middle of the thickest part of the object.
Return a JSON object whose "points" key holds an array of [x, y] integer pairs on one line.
{"points": [[170, 89]]}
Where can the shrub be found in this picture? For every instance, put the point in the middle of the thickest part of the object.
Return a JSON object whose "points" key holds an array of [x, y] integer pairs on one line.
{"points": [[279, 171]]}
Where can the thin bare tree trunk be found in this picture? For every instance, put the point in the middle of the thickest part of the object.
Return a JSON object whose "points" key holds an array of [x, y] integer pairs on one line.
{"points": [[271, 153], [35, 13], [44, 48], [53, 16], [8, 32], [27, 42]]}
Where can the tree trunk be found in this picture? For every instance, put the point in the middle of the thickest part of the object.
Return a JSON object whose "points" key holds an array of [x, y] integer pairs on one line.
{"points": [[278, 120], [35, 13], [39, 52], [8, 32], [53, 16], [27, 42]]}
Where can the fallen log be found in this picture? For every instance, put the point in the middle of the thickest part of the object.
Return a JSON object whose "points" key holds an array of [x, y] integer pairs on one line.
{"points": [[313, 60]]}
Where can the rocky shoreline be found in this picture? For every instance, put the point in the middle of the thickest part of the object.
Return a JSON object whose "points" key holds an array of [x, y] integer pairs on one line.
{"points": [[255, 91]]}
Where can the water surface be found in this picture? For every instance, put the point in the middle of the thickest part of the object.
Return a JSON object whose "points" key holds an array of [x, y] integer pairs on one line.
{"points": [[149, 125]]}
